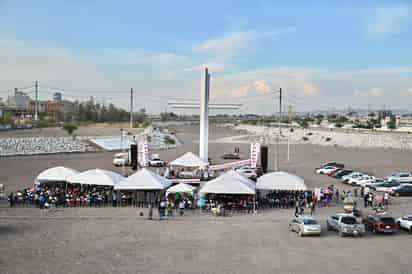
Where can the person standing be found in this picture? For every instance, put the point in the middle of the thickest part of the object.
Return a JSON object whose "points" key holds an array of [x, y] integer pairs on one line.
{"points": [[312, 207], [337, 196], [11, 199], [386, 199], [365, 200], [150, 214], [181, 207]]}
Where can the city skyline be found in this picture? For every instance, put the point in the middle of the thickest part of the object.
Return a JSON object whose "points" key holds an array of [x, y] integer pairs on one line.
{"points": [[323, 56]]}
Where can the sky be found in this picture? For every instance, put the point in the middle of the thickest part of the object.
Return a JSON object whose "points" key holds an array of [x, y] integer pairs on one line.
{"points": [[324, 55]]}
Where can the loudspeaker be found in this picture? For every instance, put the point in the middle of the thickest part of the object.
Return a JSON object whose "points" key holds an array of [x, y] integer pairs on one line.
{"points": [[264, 158], [133, 156]]}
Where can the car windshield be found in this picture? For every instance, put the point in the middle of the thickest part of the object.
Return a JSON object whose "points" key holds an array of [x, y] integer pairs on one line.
{"points": [[349, 220], [309, 222], [388, 220], [409, 218]]}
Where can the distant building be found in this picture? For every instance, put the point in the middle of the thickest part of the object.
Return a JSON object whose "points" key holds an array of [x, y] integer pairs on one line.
{"points": [[57, 96], [19, 99]]}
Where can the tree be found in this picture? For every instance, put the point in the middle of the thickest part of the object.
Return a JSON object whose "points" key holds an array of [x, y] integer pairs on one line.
{"points": [[7, 118], [392, 122], [70, 128], [304, 123]]}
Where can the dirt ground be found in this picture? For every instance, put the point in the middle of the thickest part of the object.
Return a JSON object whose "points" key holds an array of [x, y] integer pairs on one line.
{"points": [[118, 240]]}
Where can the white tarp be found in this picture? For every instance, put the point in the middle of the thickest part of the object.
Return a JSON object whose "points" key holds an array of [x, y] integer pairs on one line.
{"points": [[110, 143], [230, 182], [280, 181], [99, 177], [143, 179], [58, 174], [180, 188], [189, 160]]}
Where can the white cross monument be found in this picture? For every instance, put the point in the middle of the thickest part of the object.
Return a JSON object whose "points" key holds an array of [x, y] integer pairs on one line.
{"points": [[204, 112]]}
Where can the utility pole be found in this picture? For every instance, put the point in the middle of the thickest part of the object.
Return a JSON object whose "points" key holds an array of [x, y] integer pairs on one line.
{"points": [[290, 113], [131, 108], [36, 103], [280, 131]]}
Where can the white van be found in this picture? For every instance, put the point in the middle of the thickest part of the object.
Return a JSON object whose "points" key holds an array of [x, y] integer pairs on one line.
{"points": [[121, 159]]}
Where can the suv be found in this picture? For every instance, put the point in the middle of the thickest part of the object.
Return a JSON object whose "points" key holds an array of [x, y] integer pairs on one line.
{"points": [[401, 177], [380, 223], [345, 224]]}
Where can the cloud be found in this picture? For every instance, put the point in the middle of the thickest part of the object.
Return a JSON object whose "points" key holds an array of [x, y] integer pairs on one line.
{"points": [[389, 20], [234, 43], [310, 89], [371, 92]]}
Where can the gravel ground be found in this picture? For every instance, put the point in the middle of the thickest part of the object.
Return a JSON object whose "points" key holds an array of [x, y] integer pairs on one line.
{"points": [[117, 240]]}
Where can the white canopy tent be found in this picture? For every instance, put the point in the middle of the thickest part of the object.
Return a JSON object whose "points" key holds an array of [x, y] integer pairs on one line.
{"points": [[143, 179], [281, 181], [59, 174], [189, 160], [180, 188], [230, 182], [100, 177]]}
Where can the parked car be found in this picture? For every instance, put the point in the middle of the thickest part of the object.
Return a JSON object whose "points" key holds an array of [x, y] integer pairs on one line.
{"points": [[372, 183], [405, 222], [326, 169], [305, 225], [401, 177], [156, 162], [341, 173], [248, 173], [402, 190], [331, 172], [385, 187], [352, 175], [380, 223], [121, 159], [231, 156], [335, 164], [345, 224], [360, 179]]}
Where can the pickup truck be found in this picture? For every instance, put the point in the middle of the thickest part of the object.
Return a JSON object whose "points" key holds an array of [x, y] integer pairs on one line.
{"points": [[345, 224]]}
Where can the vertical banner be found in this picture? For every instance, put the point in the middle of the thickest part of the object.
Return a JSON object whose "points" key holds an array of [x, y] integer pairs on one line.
{"points": [[143, 154], [254, 154]]}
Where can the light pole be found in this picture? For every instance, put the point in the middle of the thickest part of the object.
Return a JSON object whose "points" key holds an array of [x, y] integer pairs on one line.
{"points": [[122, 144]]}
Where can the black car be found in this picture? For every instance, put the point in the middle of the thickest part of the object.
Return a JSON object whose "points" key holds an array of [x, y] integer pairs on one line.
{"points": [[339, 174], [402, 190]]}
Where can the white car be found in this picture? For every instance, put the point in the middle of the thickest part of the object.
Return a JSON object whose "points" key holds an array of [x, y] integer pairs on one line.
{"points": [[405, 222], [401, 177], [249, 173], [156, 162], [374, 182], [361, 179], [325, 169], [352, 175], [305, 225], [121, 159]]}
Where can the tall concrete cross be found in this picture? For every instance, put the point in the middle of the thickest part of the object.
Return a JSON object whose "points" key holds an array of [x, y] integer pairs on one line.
{"points": [[204, 107]]}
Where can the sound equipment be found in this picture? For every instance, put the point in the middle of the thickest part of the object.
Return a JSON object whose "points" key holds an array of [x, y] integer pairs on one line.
{"points": [[133, 156], [264, 158]]}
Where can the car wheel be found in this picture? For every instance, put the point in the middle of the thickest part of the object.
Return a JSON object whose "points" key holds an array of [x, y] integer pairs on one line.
{"points": [[328, 227], [300, 233], [341, 234]]}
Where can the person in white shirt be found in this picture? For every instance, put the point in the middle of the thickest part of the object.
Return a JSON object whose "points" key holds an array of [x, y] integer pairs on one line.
{"points": [[181, 207]]}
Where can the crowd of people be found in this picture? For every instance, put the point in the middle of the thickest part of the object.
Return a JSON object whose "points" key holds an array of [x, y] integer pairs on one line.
{"points": [[41, 145]]}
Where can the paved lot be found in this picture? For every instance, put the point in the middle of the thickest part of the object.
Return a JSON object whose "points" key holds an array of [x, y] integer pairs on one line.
{"points": [[117, 240]]}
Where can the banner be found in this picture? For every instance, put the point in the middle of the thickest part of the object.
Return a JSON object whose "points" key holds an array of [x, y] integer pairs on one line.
{"points": [[186, 181], [254, 154], [230, 165], [143, 154]]}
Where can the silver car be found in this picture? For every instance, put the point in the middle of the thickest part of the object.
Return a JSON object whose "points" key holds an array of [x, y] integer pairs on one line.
{"points": [[305, 225]]}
